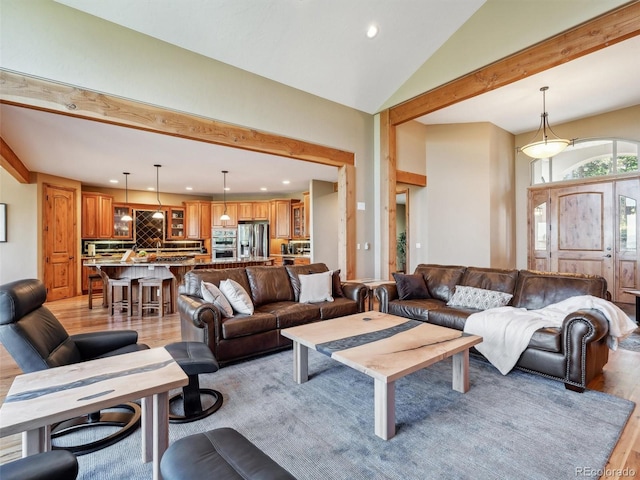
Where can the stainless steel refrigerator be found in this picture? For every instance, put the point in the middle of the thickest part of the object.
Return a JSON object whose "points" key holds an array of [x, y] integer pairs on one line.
{"points": [[253, 239]]}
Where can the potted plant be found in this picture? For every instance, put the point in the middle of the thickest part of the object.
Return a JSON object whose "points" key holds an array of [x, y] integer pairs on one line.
{"points": [[401, 250]]}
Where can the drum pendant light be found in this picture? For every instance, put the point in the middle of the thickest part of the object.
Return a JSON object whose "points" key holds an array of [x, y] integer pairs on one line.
{"points": [[158, 213], [126, 217], [225, 216]]}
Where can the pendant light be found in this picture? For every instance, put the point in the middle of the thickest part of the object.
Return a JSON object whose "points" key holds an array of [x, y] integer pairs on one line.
{"points": [[224, 216], [158, 213], [126, 217], [547, 147]]}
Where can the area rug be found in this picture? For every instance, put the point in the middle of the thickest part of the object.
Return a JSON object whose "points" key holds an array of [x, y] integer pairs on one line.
{"points": [[632, 342], [515, 426]]}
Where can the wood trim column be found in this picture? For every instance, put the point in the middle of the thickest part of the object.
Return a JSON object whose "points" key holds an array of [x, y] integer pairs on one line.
{"points": [[388, 192], [347, 227]]}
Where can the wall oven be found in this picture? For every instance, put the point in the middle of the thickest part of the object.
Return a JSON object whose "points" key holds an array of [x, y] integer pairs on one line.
{"points": [[224, 242]]}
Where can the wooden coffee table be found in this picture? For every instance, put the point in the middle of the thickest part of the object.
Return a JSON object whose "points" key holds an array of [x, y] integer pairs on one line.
{"points": [[385, 347]]}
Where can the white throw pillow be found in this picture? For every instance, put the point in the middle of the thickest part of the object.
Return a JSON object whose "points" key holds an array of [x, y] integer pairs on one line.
{"points": [[316, 287], [237, 296], [479, 298], [212, 294]]}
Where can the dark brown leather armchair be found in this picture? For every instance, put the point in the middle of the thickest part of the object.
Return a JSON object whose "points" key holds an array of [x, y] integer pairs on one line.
{"points": [[37, 340]]}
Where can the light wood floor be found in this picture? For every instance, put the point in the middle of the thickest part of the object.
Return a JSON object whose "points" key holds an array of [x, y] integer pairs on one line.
{"points": [[621, 376]]}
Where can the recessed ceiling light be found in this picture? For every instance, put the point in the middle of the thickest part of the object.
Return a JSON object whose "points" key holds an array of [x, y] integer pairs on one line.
{"points": [[189, 188], [226, 189], [113, 181], [151, 189], [372, 31], [286, 182], [264, 189]]}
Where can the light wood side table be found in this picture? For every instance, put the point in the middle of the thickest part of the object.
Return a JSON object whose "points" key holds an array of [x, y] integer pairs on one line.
{"points": [[39, 399]]}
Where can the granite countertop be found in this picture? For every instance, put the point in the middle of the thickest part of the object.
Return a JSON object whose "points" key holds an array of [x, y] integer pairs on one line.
{"points": [[292, 255], [111, 262], [234, 260]]}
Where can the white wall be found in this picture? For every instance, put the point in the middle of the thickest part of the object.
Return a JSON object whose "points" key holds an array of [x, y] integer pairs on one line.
{"points": [[624, 123], [470, 195], [324, 225], [17, 259], [52, 41]]}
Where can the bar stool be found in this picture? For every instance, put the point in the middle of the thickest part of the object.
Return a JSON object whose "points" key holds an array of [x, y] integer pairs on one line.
{"points": [[124, 288], [96, 277], [150, 295]]}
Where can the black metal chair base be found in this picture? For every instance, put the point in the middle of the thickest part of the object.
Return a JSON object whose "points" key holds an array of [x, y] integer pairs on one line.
{"points": [[192, 405], [127, 422]]}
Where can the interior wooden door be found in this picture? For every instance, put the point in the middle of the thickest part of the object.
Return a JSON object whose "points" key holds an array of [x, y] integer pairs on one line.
{"points": [[60, 248], [581, 230]]}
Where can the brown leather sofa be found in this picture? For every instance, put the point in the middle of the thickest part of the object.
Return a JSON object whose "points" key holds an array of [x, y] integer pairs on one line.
{"points": [[275, 292], [573, 354]]}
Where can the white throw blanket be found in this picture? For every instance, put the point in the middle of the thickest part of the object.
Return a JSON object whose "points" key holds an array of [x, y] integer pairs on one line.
{"points": [[506, 331]]}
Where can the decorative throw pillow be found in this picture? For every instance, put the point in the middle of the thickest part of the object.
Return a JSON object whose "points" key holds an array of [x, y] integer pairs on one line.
{"points": [[479, 298], [212, 294], [237, 296], [411, 286], [337, 284], [316, 287]]}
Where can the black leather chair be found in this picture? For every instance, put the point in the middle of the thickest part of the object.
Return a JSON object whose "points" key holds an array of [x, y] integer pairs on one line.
{"points": [[37, 340], [53, 465]]}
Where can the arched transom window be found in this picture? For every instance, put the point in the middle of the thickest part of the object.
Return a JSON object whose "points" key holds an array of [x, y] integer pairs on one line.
{"points": [[587, 158]]}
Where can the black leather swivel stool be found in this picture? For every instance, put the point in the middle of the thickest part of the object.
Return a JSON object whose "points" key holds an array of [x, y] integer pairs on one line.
{"points": [[194, 358], [222, 453], [52, 465]]}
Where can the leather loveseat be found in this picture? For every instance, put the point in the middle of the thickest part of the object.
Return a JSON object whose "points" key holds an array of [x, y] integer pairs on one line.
{"points": [[275, 293], [573, 354]]}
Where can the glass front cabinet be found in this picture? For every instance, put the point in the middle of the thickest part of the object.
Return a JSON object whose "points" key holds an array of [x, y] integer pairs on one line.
{"points": [[176, 227], [122, 228]]}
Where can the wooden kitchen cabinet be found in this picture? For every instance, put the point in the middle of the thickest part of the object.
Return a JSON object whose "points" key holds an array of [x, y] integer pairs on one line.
{"points": [[97, 216], [245, 211], [280, 221], [197, 220], [176, 223], [217, 209], [307, 214], [297, 220], [261, 210], [121, 228], [249, 211]]}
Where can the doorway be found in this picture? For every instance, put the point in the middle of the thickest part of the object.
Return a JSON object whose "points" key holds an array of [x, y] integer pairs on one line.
{"points": [[402, 230], [588, 228]]}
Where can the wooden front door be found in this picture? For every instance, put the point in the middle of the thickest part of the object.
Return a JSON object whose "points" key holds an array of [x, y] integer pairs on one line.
{"points": [[581, 230], [59, 217]]}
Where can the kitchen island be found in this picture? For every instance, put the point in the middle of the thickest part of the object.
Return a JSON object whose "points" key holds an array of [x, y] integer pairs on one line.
{"points": [[166, 268]]}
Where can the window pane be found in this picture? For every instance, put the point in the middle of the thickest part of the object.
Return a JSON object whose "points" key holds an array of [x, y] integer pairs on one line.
{"points": [[540, 171], [628, 211], [585, 159], [627, 158], [540, 220]]}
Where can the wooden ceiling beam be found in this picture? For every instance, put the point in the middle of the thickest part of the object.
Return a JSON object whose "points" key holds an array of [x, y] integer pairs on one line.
{"points": [[411, 178], [25, 91], [12, 164], [601, 32]]}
